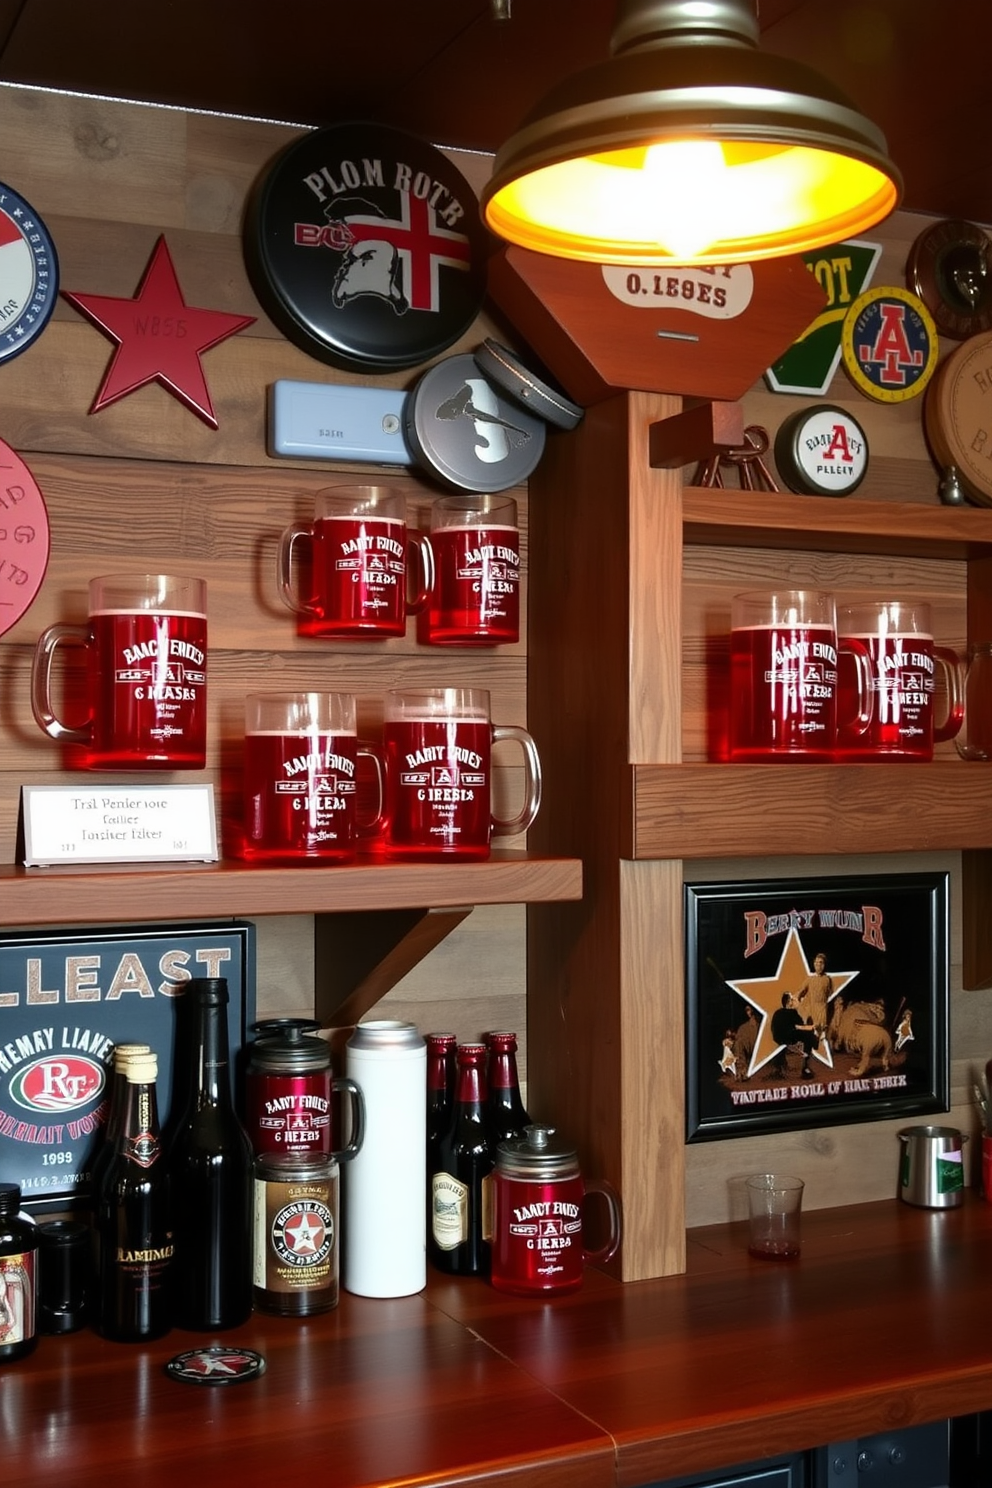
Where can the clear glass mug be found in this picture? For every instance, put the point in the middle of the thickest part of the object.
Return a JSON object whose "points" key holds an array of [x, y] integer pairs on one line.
{"points": [[784, 680], [898, 637], [145, 643], [475, 600], [974, 739], [301, 754], [437, 744], [352, 580]]}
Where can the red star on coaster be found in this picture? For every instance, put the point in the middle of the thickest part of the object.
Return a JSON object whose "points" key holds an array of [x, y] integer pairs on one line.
{"points": [[159, 337]]}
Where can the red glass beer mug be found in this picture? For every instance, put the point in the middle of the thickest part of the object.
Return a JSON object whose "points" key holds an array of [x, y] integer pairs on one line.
{"points": [[352, 580], [291, 1094], [536, 1218], [438, 745], [146, 674], [904, 662], [475, 600], [783, 677], [301, 754]]}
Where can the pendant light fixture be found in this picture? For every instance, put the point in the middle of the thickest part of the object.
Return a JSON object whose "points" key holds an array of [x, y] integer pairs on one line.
{"points": [[690, 146]]}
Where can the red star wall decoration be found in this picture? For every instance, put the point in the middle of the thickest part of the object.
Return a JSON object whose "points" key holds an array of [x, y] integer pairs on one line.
{"points": [[159, 337]]}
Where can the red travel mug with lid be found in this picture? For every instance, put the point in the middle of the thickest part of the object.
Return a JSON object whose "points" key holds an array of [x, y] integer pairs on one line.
{"points": [[537, 1201], [289, 1091]]}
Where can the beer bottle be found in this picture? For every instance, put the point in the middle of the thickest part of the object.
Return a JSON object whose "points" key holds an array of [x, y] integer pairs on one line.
{"points": [[465, 1156], [440, 1083], [115, 1118], [505, 1105], [133, 1218], [210, 1162]]}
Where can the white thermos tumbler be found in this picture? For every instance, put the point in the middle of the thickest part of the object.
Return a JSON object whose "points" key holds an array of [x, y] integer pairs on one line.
{"points": [[384, 1211]]}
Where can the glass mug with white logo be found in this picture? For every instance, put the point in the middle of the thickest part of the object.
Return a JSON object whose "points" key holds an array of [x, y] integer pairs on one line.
{"points": [[475, 599], [301, 784], [438, 745], [898, 637], [145, 644], [345, 574], [783, 677]]}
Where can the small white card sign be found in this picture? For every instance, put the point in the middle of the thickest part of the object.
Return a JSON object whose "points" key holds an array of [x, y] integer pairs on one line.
{"points": [[118, 824]]}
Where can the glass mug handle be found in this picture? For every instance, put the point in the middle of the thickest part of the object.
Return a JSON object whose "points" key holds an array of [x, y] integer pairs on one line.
{"points": [[951, 664], [343, 1084], [612, 1244], [532, 773], [860, 720], [420, 542], [41, 682], [287, 592], [374, 825]]}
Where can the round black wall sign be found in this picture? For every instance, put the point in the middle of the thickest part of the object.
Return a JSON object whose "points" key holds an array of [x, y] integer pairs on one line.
{"points": [[366, 247]]}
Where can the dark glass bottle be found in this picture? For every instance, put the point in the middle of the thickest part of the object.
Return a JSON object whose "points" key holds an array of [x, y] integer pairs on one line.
{"points": [[440, 1083], [115, 1119], [134, 1219], [18, 1277], [210, 1161], [465, 1156], [505, 1105]]}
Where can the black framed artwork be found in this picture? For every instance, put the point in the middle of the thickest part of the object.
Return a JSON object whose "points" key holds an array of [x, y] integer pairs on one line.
{"points": [[815, 1002]]}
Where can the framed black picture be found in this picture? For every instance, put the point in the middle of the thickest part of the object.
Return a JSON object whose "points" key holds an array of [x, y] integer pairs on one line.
{"points": [[815, 1002]]}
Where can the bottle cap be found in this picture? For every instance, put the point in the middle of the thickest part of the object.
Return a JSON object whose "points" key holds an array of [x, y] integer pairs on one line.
{"points": [[141, 1069], [10, 1198], [287, 1046], [209, 989], [123, 1052]]}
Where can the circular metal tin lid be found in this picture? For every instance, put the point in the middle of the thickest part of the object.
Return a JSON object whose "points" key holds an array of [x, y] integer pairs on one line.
{"points": [[286, 1046], [822, 451], [537, 1155], [29, 273], [386, 1035], [889, 344], [216, 1365], [366, 247], [950, 267], [508, 372], [956, 419], [462, 429]]}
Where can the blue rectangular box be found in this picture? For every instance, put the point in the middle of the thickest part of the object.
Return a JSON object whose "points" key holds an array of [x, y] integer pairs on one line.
{"points": [[66, 998]]}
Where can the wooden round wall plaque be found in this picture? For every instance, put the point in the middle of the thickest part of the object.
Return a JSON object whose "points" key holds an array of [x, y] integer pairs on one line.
{"points": [[958, 416]]}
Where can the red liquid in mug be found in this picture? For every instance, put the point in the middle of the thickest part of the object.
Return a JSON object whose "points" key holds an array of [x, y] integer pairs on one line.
{"points": [[147, 690], [902, 689], [537, 1235], [783, 683], [299, 796], [359, 577], [437, 788], [476, 596]]}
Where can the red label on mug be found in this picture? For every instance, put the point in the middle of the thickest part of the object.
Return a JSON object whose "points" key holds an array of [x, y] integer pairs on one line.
{"points": [[359, 577], [783, 682], [437, 786], [902, 688], [147, 690], [300, 795], [476, 595]]}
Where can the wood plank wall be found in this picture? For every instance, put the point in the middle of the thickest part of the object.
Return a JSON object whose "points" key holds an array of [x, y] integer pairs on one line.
{"points": [[145, 484]]}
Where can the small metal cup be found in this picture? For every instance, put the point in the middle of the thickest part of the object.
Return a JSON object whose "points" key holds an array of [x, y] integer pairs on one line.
{"points": [[931, 1173]]}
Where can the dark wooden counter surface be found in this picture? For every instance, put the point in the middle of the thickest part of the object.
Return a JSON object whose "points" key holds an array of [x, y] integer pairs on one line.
{"points": [[885, 1321]]}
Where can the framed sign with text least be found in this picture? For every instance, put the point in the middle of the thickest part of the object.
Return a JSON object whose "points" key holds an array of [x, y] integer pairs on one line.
{"points": [[815, 1002]]}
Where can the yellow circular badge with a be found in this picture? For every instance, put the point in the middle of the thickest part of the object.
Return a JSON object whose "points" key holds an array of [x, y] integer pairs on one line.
{"points": [[889, 344]]}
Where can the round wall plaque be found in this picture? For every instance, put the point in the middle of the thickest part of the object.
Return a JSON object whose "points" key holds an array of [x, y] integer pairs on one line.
{"points": [[822, 451], [958, 418], [889, 344], [461, 428], [29, 274], [950, 268], [366, 247], [24, 538]]}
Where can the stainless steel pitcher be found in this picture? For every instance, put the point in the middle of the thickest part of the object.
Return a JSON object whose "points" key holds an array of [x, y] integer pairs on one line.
{"points": [[931, 1172]]}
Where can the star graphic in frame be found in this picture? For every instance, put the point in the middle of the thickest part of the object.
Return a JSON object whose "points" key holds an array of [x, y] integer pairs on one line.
{"points": [[765, 996], [159, 337]]}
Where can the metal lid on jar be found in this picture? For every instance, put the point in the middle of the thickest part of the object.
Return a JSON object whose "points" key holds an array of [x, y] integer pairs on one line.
{"points": [[537, 1155], [288, 1046], [295, 1167], [386, 1035]]}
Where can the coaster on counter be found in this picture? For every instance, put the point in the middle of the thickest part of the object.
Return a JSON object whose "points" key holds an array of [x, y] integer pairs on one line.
{"points": [[216, 1365]]}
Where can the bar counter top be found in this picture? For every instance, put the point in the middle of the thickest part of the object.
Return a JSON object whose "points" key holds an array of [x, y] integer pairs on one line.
{"points": [[884, 1321]]}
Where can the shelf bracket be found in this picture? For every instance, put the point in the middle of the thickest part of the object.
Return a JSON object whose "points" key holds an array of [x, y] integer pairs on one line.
{"points": [[359, 955], [696, 434]]}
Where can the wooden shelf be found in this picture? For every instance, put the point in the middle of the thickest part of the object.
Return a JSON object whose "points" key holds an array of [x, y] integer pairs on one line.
{"points": [[774, 519], [728, 811], [127, 893]]}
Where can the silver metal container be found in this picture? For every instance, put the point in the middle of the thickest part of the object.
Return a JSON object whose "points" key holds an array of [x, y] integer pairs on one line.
{"points": [[931, 1171]]}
